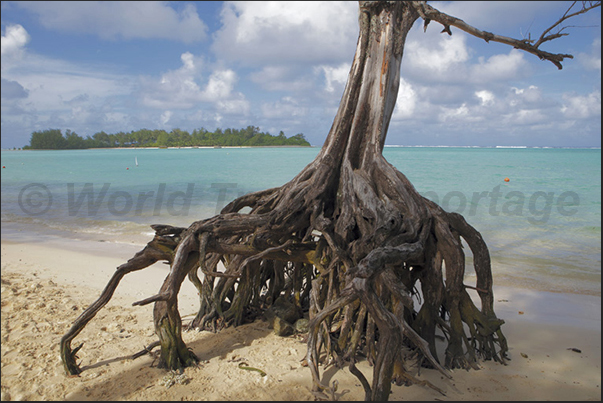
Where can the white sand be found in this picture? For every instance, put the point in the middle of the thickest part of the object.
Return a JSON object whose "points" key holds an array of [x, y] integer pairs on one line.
{"points": [[46, 285]]}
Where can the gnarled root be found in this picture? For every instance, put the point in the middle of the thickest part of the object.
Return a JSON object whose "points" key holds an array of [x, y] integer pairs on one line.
{"points": [[298, 246], [361, 285], [348, 240], [158, 249], [350, 247]]}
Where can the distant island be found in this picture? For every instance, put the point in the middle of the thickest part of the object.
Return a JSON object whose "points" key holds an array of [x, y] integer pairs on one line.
{"points": [[53, 139]]}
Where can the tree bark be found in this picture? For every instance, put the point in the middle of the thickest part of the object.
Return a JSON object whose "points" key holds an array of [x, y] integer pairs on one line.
{"points": [[348, 240]]}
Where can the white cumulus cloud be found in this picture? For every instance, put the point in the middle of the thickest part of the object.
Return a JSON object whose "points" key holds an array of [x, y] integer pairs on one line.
{"points": [[287, 107], [256, 32], [530, 97], [486, 97], [582, 106], [525, 117], [335, 76], [239, 107], [14, 40], [499, 67], [448, 114], [185, 88], [406, 102], [220, 85], [437, 57]]}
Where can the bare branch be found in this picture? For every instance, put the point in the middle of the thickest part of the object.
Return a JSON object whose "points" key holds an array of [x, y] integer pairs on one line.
{"points": [[429, 13], [585, 8]]}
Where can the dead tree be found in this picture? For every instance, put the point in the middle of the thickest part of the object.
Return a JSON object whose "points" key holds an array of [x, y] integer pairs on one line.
{"points": [[348, 240]]}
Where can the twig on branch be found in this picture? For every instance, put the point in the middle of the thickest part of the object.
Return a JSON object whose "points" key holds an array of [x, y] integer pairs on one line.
{"points": [[148, 349], [475, 288], [266, 252], [429, 13], [544, 37]]}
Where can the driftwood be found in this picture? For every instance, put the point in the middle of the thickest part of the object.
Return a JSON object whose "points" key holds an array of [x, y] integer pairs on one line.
{"points": [[349, 241]]}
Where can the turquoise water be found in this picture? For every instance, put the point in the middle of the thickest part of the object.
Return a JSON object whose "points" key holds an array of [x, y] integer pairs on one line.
{"points": [[543, 226]]}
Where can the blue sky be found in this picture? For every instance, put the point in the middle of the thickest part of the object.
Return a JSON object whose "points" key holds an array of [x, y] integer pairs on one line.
{"points": [[122, 66]]}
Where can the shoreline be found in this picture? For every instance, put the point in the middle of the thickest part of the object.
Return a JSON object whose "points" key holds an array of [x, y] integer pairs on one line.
{"points": [[85, 241], [46, 285], [156, 148], [319, 146]]}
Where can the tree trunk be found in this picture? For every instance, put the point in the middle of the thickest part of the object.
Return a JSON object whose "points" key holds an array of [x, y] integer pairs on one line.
{"points": [[348, 240]]}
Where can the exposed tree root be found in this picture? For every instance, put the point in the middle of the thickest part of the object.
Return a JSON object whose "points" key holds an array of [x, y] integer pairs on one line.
{"points": [[348, 240], [359, 297]]}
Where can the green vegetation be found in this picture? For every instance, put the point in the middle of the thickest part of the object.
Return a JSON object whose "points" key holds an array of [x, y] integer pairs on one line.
{"points": [[53, 139]]}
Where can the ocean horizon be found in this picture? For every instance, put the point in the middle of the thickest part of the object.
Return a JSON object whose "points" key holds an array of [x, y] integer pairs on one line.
{"points": [[319, 146]]}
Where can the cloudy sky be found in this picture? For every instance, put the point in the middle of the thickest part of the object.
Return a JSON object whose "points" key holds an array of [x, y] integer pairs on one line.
{"points": [[122, 66]]}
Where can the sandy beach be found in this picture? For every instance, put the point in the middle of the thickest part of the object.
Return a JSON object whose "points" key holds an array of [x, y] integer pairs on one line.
{"points": [[47, 284]]}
